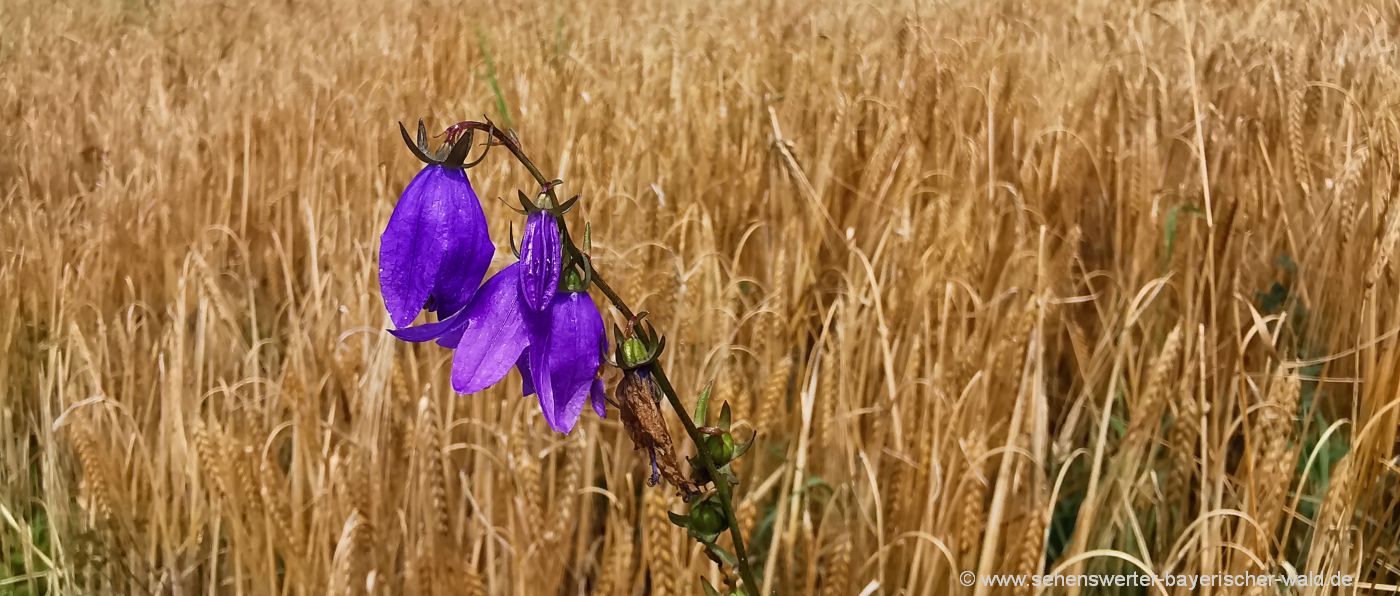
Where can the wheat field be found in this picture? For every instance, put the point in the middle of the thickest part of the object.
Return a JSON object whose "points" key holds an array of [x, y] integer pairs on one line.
{"points": [[1003, 287]]}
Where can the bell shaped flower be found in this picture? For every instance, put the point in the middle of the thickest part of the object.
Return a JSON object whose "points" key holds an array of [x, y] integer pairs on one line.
{"points": [[557, 350], [436, 247], [566, 346]]}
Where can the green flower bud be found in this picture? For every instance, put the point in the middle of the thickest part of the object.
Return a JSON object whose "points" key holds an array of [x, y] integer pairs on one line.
{"points": [[573, 281], [707, 518], [634, 352], [720, 448]]}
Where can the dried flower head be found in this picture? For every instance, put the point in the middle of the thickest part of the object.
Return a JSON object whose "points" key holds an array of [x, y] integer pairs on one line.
{"points": [[641, 416]]}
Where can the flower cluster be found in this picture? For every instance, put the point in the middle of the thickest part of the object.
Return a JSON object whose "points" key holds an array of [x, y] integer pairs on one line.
{"points": [[534, 315]]}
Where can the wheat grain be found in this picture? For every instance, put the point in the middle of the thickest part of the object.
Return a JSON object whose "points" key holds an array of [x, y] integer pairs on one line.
{"points": [[1275, 460], [1296, 107], [660, 563], [209, 442], [836, 577], [773, 398], [1030, 549], [615, 570], [96, 487], [1148, 413], [972, 506], [277, 504], [1183, 446]]}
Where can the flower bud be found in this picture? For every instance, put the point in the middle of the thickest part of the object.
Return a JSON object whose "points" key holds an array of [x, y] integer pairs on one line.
{"points": [[634, 352], [573, 281], [720, 448], [540, 257], [707, 518]]}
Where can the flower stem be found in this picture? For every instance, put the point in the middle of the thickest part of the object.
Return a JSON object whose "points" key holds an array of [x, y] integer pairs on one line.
{"points": [[723, 490]]}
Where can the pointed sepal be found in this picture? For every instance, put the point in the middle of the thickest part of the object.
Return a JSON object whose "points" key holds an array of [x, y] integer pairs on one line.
{"points": [[416, 148]]}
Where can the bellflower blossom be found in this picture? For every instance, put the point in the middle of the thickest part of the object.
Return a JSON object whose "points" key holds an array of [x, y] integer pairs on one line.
{"points": [[436, 247], [521, 318]]}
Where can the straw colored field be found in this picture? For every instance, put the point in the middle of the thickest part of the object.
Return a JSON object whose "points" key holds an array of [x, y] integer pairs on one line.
{"points": [[1003, 286]]}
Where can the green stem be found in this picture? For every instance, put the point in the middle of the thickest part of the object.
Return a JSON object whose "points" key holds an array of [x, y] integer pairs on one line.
{"points": [[723, 490]]}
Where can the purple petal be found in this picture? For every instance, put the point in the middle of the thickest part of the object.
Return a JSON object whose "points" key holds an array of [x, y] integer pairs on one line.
{"points": [[598, 397], [493, 336], [569, 359], [539, 327], [470, 250], [540, 252], [414, 244], [527, 387], [449, 326]]}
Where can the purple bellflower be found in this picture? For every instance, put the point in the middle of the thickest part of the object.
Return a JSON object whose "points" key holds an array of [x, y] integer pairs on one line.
{"points": [[436, 247], [541, 254], [557, 347]]}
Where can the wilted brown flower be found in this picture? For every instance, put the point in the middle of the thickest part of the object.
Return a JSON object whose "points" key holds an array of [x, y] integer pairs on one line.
{"points": [[641, 415]]}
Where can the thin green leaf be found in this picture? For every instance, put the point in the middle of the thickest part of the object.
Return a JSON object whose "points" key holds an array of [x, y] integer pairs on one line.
{"points": [[702, 403], [723, 555], [709, 589], [1170, 231], [491, 80]]}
